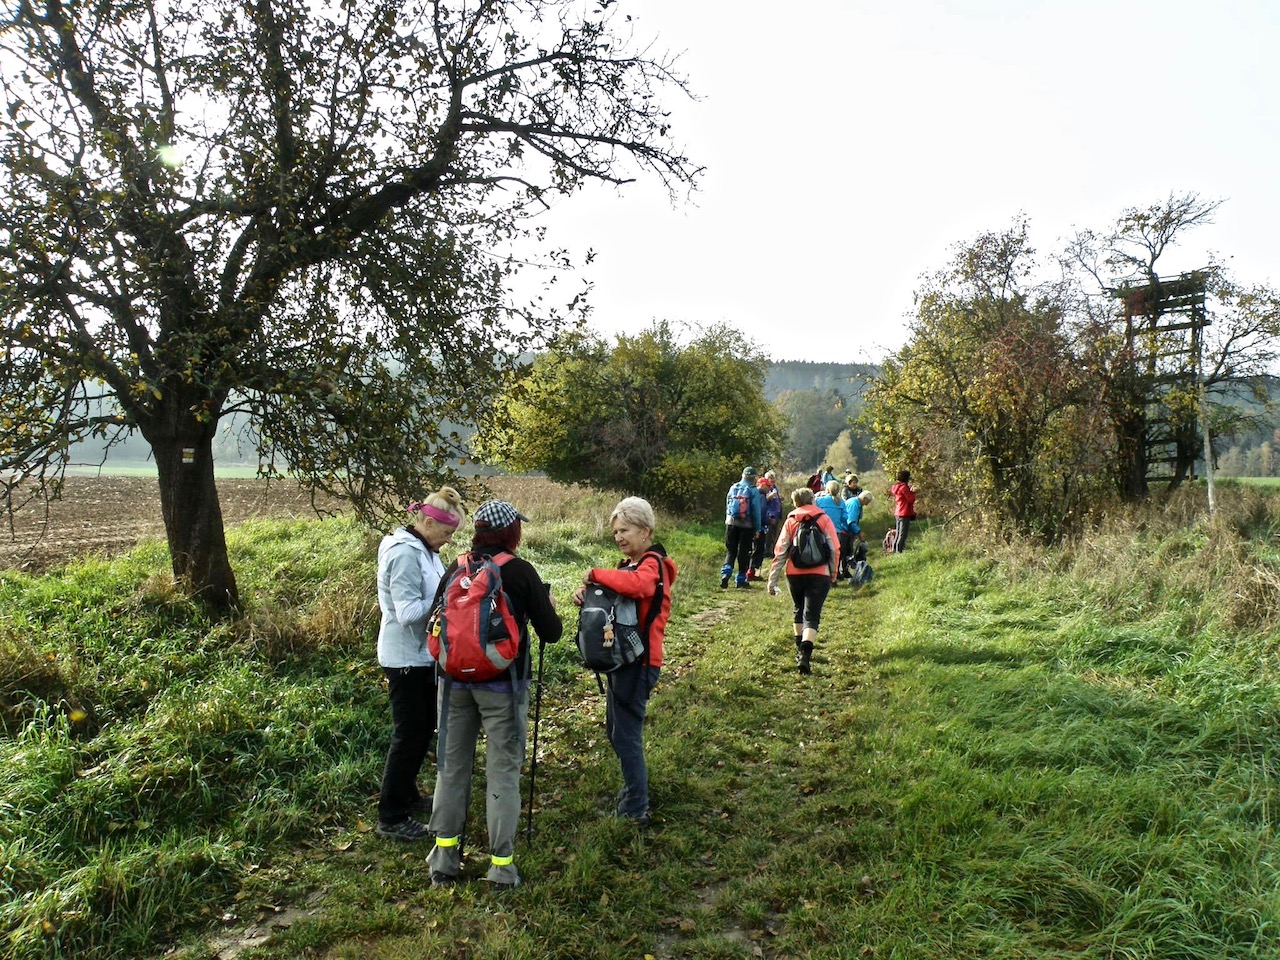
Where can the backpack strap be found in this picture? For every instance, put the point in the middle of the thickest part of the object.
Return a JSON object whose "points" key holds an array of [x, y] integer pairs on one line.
{"points": [[655, 605]]}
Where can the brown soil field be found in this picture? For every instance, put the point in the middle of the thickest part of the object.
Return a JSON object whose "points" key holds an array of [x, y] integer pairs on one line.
{"points": [[109, 515]]}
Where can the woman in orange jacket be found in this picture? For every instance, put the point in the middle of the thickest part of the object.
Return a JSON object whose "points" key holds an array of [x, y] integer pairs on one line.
{"points": [[809, 585], [646, 574]]}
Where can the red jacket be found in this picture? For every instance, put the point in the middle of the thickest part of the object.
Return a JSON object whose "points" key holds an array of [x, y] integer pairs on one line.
{"points": [[783, 548], [641, 584], [904, 500]]}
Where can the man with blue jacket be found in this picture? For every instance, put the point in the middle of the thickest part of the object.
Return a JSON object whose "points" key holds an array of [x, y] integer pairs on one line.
{"points": [[743, 522]]}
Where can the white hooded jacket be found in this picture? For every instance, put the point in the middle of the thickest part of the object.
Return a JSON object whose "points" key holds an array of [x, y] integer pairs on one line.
{"points": [[408, 575]]}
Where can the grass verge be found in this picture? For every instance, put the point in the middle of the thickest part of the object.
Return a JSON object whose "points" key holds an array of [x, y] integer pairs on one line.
{"points": [[988, 761]]}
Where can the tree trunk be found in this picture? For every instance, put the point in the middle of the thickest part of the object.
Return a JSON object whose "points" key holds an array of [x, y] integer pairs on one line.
{"points": [[1131, 454], [193, 518]]}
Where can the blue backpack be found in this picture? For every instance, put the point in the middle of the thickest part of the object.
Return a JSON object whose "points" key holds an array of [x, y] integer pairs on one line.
{"points": [[737, 505]]}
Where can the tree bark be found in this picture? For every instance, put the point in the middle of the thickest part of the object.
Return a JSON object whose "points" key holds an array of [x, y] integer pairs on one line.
{"points": [[193, 519]]}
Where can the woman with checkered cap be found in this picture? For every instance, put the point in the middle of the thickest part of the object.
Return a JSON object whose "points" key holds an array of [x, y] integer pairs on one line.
{"points": [[499, 707]]}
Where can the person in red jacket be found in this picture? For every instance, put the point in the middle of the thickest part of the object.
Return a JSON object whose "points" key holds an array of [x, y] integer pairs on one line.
{"points": [[904, 509], [809, 585], [646, 574]]}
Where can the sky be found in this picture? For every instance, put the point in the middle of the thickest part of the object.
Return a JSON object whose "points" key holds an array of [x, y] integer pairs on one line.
{"points": [[850, 145]]}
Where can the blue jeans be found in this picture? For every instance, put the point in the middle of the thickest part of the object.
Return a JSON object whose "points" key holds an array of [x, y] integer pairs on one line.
{"points": [[626, 701]]}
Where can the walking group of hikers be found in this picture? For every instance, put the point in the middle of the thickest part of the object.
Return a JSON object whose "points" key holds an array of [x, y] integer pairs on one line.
{"points": [[818, 544], [454, 642]]}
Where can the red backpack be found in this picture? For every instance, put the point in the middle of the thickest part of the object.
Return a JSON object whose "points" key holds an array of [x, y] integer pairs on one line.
{"points": [[473, 635]]}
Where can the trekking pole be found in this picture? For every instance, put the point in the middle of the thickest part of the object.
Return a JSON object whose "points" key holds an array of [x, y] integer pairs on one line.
{"points": [[533, 764]]}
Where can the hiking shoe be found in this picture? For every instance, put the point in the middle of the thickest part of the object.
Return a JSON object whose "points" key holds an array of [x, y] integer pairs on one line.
{"points": [[742, 585], [439, 879], [407, 830], [724, 582]]}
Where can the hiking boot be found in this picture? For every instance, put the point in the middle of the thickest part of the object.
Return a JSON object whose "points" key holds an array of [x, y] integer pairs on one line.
{"points": [[742, 584], [439, 879], [407, 830], [753, 576], [806, 651], [724, 582]]}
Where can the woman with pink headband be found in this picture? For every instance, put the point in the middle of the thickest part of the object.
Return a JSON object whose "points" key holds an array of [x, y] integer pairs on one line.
{"points": [[409, 571]]}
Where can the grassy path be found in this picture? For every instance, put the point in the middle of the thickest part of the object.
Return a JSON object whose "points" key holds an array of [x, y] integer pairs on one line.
{"points": [[971, 771], [986, 763]]}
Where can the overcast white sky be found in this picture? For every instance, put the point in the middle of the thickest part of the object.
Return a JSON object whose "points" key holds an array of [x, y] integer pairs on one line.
{"points": [[849, 144]]}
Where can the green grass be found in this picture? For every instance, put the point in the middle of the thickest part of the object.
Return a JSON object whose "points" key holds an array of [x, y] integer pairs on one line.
{"points": [[1057, 757]]}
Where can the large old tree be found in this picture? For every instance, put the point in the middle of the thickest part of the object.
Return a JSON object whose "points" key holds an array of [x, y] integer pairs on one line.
{"points": [[307, 213]]}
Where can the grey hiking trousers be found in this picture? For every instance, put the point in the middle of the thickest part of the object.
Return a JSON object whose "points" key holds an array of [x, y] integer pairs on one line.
{"points": [[504, 717]]}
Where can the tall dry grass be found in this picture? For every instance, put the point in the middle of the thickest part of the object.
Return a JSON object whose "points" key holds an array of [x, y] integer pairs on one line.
{"points": [[1169, 558]]}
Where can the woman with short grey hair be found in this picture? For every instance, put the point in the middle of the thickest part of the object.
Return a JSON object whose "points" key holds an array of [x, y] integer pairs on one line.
{"points": [[645, 573]]}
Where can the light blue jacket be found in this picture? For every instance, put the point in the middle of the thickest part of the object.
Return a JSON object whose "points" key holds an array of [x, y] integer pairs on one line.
{"points": [[408, 575], [853, 515], [833, 507]]}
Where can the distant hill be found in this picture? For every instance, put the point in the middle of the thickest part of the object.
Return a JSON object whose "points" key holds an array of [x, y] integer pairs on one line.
{"points": [[845, 379]]}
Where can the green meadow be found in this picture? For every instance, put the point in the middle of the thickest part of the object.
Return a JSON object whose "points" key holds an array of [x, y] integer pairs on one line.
{"points": [[1003, 752]]}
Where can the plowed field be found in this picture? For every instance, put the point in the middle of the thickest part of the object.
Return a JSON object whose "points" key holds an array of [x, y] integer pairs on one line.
{"points": [[108, 515]]}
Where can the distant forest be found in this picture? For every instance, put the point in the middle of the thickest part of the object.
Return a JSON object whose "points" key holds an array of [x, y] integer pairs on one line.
{"points": [[844, 378], [1254, 452], [821, 402]]}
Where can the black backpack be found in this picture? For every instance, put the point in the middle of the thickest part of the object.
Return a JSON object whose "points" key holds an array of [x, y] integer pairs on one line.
{"points": [[610, 635], [810, 547]]}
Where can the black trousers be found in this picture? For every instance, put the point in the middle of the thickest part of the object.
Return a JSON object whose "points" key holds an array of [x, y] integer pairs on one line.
{"points": [[737, 549], [764, 545], [413, 724]]}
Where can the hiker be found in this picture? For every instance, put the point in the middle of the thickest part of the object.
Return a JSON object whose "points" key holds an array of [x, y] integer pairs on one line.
{"points": [[831, 504], [645, 573], [809, 584], [743, 522], [904, 509], [851, 487], [828, 475], [763, 546], [853, 508], [409, 571], [499, 706]]}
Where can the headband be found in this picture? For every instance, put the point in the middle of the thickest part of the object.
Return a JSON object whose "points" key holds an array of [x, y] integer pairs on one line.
{"points": [[434, 513]]}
